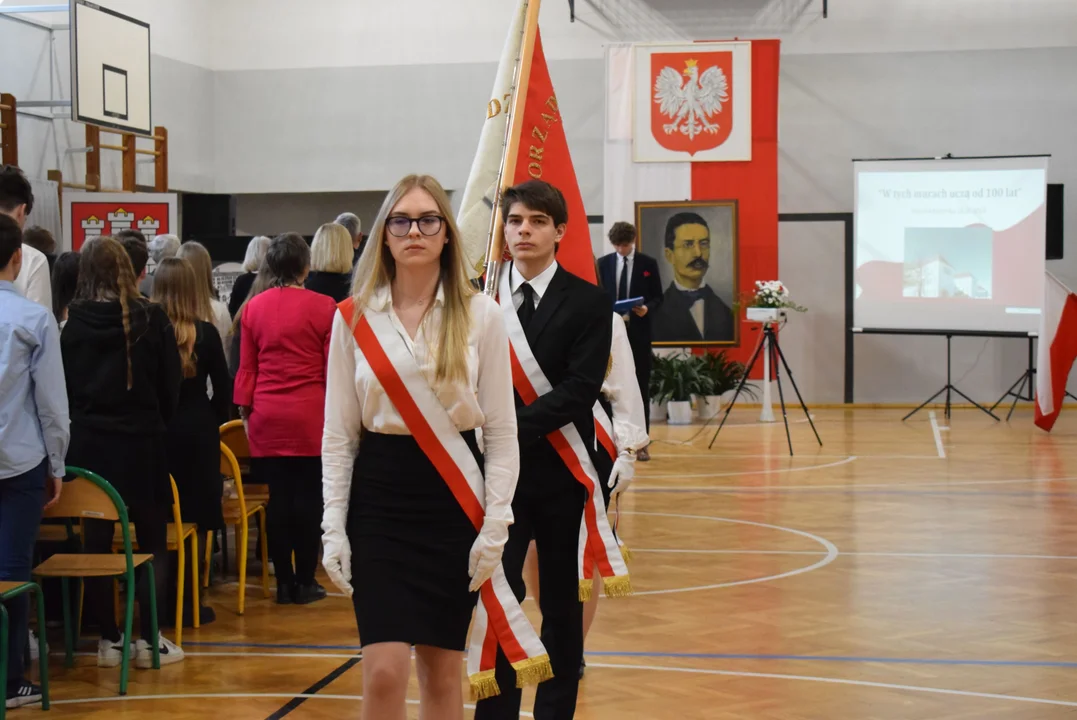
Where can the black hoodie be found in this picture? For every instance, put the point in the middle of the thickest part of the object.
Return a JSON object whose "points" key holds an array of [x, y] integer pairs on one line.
{"points": [[95, 363]]}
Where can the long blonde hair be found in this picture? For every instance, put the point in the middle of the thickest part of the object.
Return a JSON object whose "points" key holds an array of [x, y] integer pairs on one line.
{"points": [[106, 274], [174, 289], [196, 254], [377, 269], [331, 251]]}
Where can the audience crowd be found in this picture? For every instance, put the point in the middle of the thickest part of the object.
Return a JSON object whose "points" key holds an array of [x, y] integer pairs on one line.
{"points": [[129, 374]]}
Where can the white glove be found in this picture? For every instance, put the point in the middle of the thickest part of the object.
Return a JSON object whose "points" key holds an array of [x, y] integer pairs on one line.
{"points": [[624, 469], [337, 551], [487, 550]]}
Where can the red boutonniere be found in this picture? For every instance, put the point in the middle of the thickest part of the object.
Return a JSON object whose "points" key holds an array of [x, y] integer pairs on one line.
{"points": [[646, 273]]}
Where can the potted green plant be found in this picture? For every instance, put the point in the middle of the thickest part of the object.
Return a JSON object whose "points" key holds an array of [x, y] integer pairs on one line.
{"points": [[681, 379], [723, 375], [659, 371]]}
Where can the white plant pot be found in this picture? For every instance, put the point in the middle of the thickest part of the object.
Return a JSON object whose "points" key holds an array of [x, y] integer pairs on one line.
{"points": [[658, 412], [764, 315], [709, 406], [680, 412]]}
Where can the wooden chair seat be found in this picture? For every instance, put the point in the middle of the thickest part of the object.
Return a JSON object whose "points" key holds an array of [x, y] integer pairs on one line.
{"points": [[12, 586], [87, 565], [233, 510]]}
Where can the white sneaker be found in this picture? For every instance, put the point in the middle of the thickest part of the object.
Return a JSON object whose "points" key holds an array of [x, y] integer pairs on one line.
{"points": [[33, 646], [170, 653], [109, 654]]}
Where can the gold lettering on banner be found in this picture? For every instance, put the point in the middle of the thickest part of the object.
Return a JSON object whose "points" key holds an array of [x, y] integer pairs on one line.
{"points": [[537, 152], [493, 109]]}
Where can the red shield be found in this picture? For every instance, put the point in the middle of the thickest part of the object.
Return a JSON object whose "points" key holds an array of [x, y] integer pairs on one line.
{"points": [[692, 97], [91, 219]]}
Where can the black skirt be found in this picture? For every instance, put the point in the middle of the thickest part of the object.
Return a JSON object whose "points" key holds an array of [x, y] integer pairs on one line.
{"points": [[135, 464], [410, 544]]}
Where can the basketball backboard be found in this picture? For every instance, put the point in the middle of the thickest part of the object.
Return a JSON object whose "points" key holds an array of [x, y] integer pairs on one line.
{"points": [[110, 69]]}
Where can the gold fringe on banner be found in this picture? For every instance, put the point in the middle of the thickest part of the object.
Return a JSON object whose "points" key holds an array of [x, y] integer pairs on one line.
{"points": [[586, 589], [617, 586], [533, 671], [484, 685], [625, 552]]}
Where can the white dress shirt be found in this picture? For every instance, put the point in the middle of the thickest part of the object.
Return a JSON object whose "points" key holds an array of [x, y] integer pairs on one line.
{"points": [[620, 271], [622, 390], [355, 400], [34, 282], [697, 306], [540, 284]]}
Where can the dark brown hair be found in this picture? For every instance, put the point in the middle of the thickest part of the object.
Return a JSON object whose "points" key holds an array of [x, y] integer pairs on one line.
{"points": [[622, 233], [134, 242], [106, 274], [15, 189], [39, 238], [288, 257], [539, 196], [10, 240]]}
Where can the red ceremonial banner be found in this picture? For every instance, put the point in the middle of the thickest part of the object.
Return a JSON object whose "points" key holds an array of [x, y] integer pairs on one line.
{"points": [[93, 219], [544, 155]]}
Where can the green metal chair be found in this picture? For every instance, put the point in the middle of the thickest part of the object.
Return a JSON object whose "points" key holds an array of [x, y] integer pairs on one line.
{"points": [[9, 591], [90, 496]]}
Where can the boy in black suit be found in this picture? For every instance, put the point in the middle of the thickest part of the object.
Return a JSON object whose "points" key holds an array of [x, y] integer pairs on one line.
{"points": [[566, 321], [629, 274]]}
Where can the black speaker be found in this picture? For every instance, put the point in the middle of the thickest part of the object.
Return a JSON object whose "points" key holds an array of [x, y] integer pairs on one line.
{"points": [[208, 215], [1055, 204]]}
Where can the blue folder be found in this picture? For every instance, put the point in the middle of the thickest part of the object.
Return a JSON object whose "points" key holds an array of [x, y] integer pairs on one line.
{"points": [[622, 306]]}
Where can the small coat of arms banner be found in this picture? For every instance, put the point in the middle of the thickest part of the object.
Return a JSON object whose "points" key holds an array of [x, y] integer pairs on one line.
{"points": [[693, 102]]}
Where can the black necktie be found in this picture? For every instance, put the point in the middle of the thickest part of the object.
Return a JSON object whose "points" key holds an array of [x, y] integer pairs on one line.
{"points": [[693, 295], [622, 287], [526, 311]]}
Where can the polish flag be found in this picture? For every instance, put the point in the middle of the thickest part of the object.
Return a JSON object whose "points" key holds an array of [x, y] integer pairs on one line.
{"points": [[541, 153], [1057, 351]]}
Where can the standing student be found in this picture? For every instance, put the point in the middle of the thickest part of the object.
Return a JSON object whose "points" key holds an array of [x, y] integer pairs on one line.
{"points": [[33, 442], [626, 274], [280, 391], [65, 278], [210, 308], [566, 321], [252, 260], [393, 521], [123, 382], [331, 262], [16, 201], [194, 457]]}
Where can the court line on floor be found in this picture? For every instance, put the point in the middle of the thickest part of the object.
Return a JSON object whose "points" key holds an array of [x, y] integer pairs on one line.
{"points": [[688, 656], [845, 486], [966, 556], [831, 553], [938, 436], [842, 681], [785, 456], [314, 689], [230, 696], [770, 471]]}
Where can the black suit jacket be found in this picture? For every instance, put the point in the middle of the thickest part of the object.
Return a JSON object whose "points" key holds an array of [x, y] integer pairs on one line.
{"points": [[673, 321], [645, 282], [570, 336]]}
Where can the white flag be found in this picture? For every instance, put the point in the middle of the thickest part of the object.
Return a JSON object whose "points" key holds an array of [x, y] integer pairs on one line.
{"points": [[477, 204]]}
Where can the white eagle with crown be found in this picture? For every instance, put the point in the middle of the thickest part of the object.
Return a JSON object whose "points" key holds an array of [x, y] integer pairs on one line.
{"points": [[692, 104]]}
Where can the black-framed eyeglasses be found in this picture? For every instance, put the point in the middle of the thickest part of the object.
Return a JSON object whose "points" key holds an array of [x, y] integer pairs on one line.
{"points": [[400, 226]]}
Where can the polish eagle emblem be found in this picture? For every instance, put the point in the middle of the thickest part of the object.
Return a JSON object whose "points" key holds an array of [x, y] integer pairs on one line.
{"points": [[691, 103]]}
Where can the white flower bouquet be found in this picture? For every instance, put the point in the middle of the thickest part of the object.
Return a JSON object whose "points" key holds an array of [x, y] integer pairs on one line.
{"points": [[773, 294]]}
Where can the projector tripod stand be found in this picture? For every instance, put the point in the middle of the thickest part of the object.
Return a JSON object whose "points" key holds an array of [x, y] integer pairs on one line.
{"points": [[949, 388], [1028, 377], [769, 340]]}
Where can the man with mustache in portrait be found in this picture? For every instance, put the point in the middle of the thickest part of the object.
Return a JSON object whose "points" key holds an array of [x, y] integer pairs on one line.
{"points": [[690, 310]]}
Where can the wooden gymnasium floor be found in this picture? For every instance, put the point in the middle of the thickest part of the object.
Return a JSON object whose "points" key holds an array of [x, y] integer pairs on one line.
{"points": [[897, 572]]}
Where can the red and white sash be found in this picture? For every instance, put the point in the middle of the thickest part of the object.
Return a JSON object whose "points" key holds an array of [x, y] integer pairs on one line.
{"points": [[598, 546], [604, 430], [498, 616]]}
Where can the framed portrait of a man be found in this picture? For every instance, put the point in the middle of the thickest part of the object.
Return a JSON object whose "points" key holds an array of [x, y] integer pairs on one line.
{"points": [[695, 243]]}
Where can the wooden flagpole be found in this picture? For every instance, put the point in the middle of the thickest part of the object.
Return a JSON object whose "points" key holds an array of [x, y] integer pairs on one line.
{"points": [[496, 247]]}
